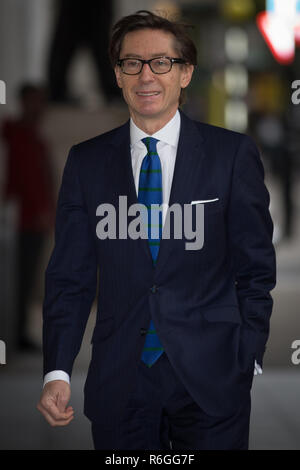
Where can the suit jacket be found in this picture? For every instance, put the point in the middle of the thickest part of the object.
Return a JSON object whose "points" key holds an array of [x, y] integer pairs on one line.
{"points": [[211, 307]]}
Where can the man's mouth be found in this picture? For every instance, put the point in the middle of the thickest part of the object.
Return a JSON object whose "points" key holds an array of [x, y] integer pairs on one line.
{"points": [[148, 93]]}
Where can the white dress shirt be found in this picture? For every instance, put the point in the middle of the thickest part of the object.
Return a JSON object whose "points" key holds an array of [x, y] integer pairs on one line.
{"points": [[168, 138]]}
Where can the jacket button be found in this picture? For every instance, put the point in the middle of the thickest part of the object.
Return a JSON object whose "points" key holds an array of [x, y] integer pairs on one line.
{"points": [[143, 331], [154, 289]]}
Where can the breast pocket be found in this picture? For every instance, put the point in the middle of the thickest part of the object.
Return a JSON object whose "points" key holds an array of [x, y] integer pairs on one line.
{"points": [[212, 207]]}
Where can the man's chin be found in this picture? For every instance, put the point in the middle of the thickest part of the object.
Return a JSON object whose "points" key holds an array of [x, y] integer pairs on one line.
{"points": [[149, 111]]}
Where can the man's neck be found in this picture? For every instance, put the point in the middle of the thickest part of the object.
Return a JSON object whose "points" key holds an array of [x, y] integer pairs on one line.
{"points": [[152, 125]]}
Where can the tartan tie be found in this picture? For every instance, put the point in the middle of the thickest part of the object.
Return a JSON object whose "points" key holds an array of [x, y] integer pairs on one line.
{"points": [[150, 192]]}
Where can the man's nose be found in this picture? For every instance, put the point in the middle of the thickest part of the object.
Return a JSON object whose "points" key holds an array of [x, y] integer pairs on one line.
{"points": [[146, 73]]}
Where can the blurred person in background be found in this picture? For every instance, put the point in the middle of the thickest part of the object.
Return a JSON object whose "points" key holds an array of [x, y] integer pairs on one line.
{"points": [[179, 334], [81, 23], [273, 133], [29, 184]]}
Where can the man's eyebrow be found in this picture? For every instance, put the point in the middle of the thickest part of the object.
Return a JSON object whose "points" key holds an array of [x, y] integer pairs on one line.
{"points": [[137, 56]]}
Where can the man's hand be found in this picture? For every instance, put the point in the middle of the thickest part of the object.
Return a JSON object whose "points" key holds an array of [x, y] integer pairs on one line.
{"points": [[53, 403]]}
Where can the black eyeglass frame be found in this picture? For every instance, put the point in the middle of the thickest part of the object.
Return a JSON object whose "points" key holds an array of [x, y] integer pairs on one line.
{"points": [[173, 60]]}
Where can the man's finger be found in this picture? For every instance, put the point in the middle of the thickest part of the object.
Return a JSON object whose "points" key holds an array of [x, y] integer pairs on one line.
{"points": [[51, 408], [56, 414], [54, 422]]}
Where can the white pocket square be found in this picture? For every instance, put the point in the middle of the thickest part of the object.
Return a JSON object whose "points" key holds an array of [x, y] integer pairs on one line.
{"points": [[204, 201]]}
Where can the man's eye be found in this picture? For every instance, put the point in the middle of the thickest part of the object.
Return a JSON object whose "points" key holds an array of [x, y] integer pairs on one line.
{"points": [[161, 64], [132, 63]]}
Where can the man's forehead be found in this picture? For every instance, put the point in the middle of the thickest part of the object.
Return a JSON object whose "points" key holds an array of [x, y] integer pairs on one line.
{"points": [[154, 43], [152, 54]]}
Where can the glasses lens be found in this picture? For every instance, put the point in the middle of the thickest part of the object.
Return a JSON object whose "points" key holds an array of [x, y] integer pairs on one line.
{"points": [[131, 66], [161, 65]]}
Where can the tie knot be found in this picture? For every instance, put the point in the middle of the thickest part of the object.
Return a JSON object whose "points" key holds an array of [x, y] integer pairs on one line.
{"points": [[150, 143]]}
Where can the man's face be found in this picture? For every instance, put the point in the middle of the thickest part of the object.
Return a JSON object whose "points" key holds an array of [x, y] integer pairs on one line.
{"points": [[150, 95]]}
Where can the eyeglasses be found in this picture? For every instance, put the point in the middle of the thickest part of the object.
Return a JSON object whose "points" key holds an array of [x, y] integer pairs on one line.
{"points": [[159, 65]]}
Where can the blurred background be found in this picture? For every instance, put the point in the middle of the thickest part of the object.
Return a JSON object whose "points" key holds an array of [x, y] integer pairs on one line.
{"points": [[57, 89]]}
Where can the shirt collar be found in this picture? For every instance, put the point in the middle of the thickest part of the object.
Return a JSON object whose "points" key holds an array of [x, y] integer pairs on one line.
{"points": [[168, 134]]}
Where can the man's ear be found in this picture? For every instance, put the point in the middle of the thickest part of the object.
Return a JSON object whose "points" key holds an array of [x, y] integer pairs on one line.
{"points": [[186, 76], [118, 76]]}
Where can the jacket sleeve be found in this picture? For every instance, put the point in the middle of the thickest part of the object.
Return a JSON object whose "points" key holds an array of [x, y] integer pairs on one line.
{"points": [[71, 275], [250, 230]]}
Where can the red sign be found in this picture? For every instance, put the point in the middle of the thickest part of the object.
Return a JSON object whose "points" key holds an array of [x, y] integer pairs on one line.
{"points": [[280, 27]]}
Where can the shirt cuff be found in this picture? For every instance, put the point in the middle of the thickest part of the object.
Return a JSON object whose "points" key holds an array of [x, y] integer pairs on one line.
{"points": [[56, 375]]}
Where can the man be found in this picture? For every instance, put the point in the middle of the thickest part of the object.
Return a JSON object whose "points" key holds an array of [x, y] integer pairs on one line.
{"points": [[177, 331]]}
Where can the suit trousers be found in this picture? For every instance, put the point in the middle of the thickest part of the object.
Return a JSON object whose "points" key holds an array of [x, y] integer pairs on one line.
{"points": [[161, 415]]}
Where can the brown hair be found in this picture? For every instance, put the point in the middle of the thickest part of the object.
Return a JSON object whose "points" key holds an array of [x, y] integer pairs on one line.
{"points": [[144, 19]]}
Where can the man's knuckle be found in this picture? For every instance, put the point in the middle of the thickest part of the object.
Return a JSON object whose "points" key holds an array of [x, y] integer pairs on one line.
{"points": [[44, 401]]}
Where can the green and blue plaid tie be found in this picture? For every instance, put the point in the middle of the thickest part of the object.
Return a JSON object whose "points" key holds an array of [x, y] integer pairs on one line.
{"points": [[150, 192]]}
